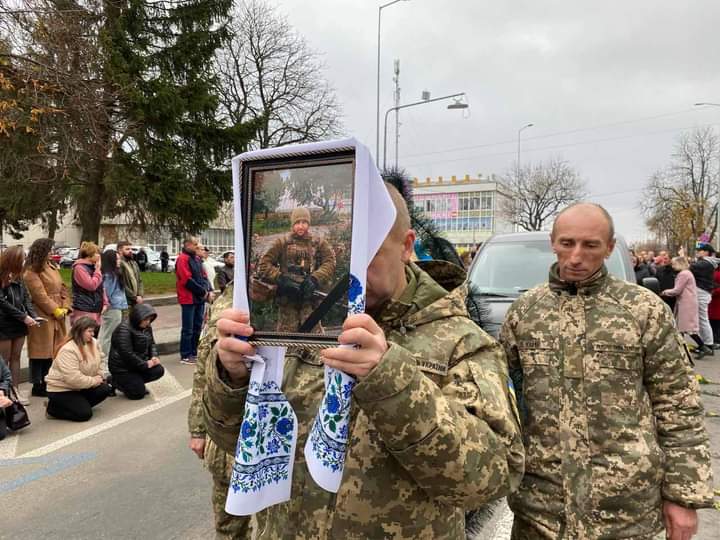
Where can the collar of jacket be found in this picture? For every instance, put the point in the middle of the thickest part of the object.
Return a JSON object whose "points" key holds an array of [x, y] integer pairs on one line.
{"points": [[588, 287], [422, 301]]}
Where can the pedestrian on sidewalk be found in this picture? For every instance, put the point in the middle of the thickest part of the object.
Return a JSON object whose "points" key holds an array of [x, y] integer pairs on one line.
{"points": [[204, 254], [134, 359], [192, 292], [88, 294], [227, 272], [141, 259], [164, 259], [714, 309], [52, 302], [686, 306], [6, 382], [75, 383], [666, 277], [130, 274], [117, 302], [17, 313], [704, 269]]}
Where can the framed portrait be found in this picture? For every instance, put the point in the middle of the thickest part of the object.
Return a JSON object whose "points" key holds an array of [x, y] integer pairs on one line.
{"points": [[302, 232]]}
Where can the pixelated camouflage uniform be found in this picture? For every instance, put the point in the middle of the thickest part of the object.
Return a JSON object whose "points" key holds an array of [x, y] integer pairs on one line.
{"points": [[434, 428], [612, 422], [216, 460], [309, 257]]}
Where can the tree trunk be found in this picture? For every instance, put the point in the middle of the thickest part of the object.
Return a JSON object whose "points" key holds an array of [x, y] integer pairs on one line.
{"points": [[52, 224], [90, 204]]}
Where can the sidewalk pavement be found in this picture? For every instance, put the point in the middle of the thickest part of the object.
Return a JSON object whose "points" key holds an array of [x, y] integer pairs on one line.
{"points": [[166, 329]]}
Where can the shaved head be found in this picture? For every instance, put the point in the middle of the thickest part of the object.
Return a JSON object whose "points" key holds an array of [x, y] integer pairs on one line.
{"points": [[584, 208], [402, 218]]}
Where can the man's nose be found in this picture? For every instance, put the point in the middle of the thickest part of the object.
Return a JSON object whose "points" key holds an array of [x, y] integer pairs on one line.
{"points": [[576, 255]]}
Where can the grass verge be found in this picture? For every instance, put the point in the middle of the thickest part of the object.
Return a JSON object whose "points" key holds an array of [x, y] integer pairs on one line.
{"points": [[155, 283]]}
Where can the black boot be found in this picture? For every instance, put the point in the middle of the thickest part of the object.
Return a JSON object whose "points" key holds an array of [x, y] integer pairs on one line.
{"points": [[39, 390], [703, 352]]}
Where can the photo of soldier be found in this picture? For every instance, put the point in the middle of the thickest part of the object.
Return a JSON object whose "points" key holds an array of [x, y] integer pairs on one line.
{"points": [[298, 255], [302, 266]]}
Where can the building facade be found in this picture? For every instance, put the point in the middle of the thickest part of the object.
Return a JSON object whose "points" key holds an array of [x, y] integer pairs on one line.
{"points": [[467, 210]]}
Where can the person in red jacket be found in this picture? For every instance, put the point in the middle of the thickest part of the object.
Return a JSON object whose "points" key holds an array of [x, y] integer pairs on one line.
{"points": [[193, 290], [714, 310]]}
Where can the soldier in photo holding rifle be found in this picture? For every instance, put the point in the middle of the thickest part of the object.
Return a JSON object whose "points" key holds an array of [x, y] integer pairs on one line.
{"points": [[301, 267]]}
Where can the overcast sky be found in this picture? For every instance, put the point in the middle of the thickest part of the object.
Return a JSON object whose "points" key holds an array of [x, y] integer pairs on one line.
{"points": [[621, 75]]}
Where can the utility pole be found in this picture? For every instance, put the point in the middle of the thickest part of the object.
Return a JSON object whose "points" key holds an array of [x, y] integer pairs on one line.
{"points": [[396, 80]]}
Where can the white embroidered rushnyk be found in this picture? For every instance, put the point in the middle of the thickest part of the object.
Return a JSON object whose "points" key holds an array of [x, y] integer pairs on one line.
{"points": [[262, 472]]}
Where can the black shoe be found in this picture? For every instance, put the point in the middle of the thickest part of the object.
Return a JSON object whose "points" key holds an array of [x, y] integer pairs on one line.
{"points": [[703, 351], [39, 390], [112, 392]]}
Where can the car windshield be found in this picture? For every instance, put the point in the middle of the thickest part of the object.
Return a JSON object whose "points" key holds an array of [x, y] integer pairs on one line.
{"points": [[511, 268]]}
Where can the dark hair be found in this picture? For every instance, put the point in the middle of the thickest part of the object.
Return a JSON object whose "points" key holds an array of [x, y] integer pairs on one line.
{"points": [[11, 264], [37, 255], [76, 334], [121, 244], [705, 247], [108, 260]]}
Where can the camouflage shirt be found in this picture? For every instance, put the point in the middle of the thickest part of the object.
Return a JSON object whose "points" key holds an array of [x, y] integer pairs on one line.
{"points": [[298, 257], [612, 422], [434, 428]]}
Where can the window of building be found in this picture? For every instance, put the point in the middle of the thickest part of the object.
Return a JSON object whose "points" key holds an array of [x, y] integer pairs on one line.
{"points": [[487, 200]]}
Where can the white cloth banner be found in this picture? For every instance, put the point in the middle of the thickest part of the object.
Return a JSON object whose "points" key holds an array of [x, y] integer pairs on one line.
{"points": [[262, 472]]}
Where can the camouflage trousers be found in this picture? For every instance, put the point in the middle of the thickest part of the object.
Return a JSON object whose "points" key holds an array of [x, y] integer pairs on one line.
{"points": [[291, 316], [522, 530], [227, 526]]}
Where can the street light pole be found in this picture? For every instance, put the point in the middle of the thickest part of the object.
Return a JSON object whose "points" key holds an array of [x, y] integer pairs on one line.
{"points": [[518, 147], [457, 105], [717, 204], [377, 110]]}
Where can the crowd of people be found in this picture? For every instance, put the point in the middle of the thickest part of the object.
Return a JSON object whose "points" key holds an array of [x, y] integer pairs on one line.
{"points": [[584, 413], [83, 344], [691, 287]]}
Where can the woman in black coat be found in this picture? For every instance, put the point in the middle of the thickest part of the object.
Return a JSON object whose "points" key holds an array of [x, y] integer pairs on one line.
{"points": [[17, 313], [133, 355]]}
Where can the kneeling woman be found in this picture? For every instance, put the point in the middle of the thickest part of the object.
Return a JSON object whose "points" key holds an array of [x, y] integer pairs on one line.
{"points": [[133, 355], [75, 383]]}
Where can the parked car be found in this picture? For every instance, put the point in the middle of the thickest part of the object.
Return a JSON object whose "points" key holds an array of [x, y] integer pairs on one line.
{"points": [[68, 257], [508, 265]]}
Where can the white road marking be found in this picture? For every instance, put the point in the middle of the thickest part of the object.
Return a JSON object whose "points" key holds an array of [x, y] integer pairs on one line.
{"points": [[165, 387], [72, 439], [8, 446]]}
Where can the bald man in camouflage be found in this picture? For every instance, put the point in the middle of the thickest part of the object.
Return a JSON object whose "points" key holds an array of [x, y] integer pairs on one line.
{"points": [[434, 428], [613, 426], [300, 266]]}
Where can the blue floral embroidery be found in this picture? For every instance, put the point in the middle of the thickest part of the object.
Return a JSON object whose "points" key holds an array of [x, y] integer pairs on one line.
{"points": [[333, 404], [356, 296], [284, 426], [263, 451], [329, 433]]}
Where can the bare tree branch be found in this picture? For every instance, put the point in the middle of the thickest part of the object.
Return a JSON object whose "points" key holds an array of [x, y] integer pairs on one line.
{"points": [[539, 192]]}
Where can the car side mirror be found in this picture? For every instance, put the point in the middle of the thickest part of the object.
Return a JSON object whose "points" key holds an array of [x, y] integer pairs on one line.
{"points": [[651, 283]]}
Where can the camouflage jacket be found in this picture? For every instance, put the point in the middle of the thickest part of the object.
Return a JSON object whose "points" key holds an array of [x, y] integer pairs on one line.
{"points": [[434, 428], [612, 422], [306, 256]]}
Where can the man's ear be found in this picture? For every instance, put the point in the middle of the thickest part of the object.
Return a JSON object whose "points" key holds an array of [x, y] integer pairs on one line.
{"points": [[408, 246]]}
